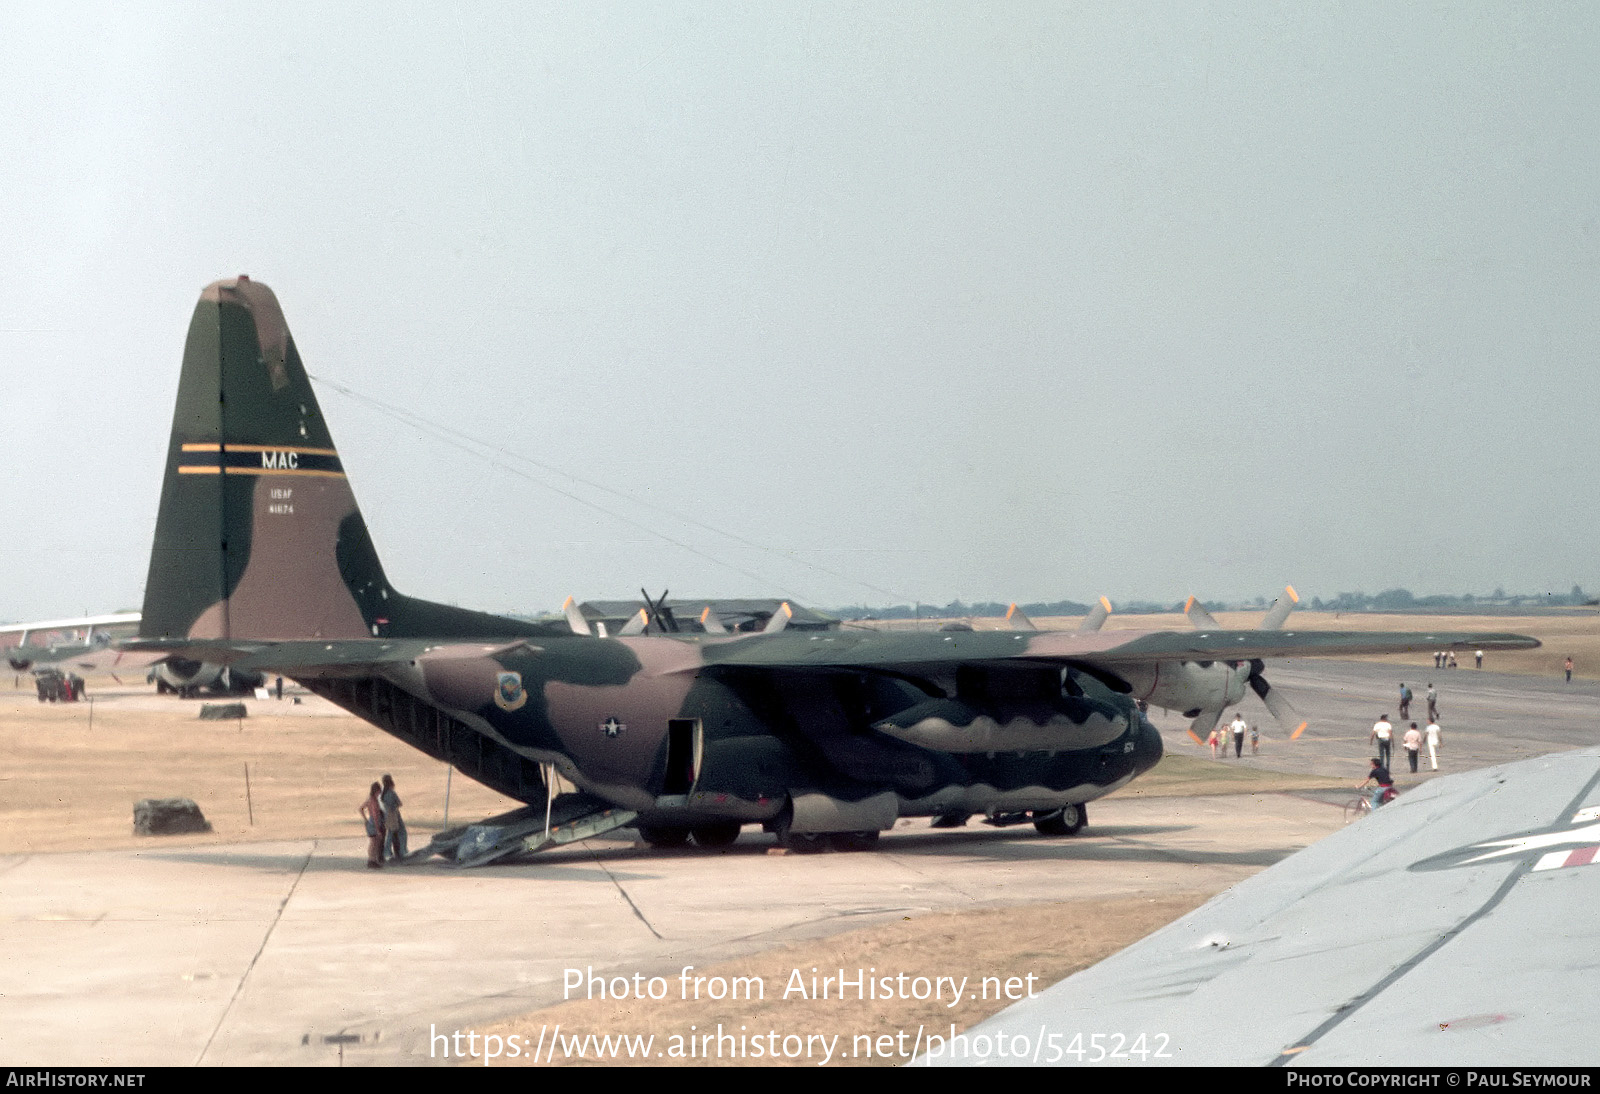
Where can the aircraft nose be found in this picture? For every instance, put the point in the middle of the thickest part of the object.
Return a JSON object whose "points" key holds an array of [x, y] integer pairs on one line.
{"points": [[1147, 748]]}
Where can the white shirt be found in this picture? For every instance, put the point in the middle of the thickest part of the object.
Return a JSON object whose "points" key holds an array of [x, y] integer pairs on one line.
{"points": [[1433, 733], [1382, 729], [1238, 726]]}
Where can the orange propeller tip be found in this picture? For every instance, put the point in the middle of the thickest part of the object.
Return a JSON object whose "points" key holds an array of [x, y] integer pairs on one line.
{"points": [[1301, 728]]}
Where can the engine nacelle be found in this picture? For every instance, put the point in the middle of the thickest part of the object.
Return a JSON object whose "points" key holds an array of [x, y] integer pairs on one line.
{"points": [[188, 678], [1189, 686]]}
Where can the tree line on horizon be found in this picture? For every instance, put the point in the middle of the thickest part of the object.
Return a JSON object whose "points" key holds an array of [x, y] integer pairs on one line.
{"points": [[1390, 600]]}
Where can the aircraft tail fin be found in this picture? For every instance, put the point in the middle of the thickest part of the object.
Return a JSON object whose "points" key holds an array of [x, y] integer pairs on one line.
{"points": [[258, 535]]}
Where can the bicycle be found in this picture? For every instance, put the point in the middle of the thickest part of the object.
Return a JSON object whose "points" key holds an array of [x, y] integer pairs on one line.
{"points": [[1360, 805]]}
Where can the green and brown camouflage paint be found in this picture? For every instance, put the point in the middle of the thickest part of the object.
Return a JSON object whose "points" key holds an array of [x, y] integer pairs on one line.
{"points": [[261, 558]]}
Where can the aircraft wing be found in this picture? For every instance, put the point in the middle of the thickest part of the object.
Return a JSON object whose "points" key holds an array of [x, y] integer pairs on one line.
{"points": [[1454, 927], [923, 651]]}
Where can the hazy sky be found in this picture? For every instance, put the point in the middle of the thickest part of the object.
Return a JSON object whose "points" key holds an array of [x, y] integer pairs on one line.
{"points": [[991, 301]]}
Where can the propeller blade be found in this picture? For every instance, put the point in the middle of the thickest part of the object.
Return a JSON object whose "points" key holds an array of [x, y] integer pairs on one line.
{"points": [[712, 624], [1280, 610], [636, 625], [1017, 620], [1281, 709], [779, 620], [1203, 725], [575, 618], [1096, 617], [1200, 618]]}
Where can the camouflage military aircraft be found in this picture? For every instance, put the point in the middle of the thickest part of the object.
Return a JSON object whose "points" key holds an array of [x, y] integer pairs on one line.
{"points": [[262, 560]]}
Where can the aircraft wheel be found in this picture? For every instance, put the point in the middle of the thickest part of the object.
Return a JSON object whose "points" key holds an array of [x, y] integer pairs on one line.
{"points": [[1066, 821], [800, 843], [715, 835], [664, 838], [805, 843], [853, 841]]}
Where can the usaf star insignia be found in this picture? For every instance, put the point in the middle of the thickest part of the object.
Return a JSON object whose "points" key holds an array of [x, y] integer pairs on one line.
{"points": [[1573, 843], [509, 693], [612, 728]]}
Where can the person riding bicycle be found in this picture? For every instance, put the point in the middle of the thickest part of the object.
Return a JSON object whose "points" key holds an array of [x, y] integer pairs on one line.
{"points": [[1384, 788]]}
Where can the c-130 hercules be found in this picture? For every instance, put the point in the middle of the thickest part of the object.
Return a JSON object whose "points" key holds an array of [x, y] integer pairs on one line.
{"points": [[262, 560]]}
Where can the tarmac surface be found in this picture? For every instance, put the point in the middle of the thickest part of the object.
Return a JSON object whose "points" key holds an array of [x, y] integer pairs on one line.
{"points": [[260, 953]]}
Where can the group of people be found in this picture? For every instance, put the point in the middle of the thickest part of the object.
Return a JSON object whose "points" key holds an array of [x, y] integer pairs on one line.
{"points": [[1446, 659], [1237, 728], [386, 831], [1412, 741]]}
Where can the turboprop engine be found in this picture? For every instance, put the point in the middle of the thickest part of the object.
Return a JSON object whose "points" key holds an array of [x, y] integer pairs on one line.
{"points": [[188, 678], [1191, 686]]}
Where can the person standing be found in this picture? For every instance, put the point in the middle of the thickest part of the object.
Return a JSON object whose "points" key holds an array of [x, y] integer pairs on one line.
{"points": [[1255, 741], [394, 842], [1405, 701], [1238, 726], [1412, 742], [1479, 656], [1569, 670], [1383, 733], [1433, 703], [372, 812], [1212, 741], [1433, 743]]}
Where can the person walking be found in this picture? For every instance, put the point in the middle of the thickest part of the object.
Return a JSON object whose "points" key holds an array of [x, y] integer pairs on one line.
{"points": [[1433, 703], [1433, 742], [1412, 742], [1569, 670], [1383, 733], [1479, 656], [371, 811], [394, 841], [1238, 726], [1405, 701]]}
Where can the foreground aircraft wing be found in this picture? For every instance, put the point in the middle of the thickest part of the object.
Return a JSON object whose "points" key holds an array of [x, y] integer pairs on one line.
{"points": [[1455, 926]]}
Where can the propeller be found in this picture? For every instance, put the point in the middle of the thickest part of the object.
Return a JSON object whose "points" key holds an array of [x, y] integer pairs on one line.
{"points": [[575, 618], [1281, 709]]}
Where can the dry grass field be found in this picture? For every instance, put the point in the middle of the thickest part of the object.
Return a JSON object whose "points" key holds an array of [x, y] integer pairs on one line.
{"points": [[70, 786]]}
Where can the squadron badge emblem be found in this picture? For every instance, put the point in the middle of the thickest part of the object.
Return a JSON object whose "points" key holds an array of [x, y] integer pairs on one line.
{"points": [[509, 693]]}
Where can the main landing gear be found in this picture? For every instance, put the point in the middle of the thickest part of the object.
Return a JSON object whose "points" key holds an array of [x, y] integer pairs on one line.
{"points": [[709, 836], [811, 843], [1066, 821]]}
